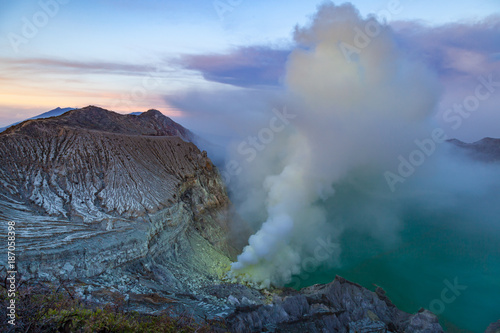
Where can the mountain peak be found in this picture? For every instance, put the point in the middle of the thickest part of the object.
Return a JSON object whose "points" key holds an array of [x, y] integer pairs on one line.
{"points": [[153, 112], [150, 123], [92, 108]]}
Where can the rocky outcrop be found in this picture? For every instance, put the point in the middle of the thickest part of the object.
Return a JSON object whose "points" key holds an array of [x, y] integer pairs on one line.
{"points": [[340, 306]]}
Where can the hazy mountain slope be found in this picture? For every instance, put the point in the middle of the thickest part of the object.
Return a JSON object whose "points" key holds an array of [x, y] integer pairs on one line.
{"points": [[52, 113], [486, 149]]}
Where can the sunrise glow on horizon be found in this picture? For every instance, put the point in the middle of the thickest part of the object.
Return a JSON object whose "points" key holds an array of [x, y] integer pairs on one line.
{"points": [[129, 57]]}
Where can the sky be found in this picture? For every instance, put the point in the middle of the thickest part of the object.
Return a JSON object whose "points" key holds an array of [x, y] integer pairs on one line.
{"points": [[131, 56]]}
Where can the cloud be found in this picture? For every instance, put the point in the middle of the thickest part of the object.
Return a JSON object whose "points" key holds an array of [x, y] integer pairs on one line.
{"points": [[253, 66], [455, 50], [457, 53], [62, 66]]}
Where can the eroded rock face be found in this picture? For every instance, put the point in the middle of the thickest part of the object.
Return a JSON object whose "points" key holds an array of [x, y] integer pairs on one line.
{"points": [[92, 189], [340, 306]]}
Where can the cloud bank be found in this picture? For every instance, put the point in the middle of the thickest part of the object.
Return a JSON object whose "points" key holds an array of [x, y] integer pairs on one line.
{"points": [[458, 53], [360, 96], [244, 67]]}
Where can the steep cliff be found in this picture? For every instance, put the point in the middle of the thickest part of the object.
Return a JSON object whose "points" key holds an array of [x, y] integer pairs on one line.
{"points": [[92, 189]]}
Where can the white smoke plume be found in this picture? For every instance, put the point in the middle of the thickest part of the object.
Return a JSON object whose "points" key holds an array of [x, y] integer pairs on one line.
{"points": [[359, 101]]}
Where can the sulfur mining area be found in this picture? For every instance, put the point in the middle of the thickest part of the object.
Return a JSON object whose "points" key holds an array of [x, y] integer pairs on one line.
{"points": [[126, 209]]}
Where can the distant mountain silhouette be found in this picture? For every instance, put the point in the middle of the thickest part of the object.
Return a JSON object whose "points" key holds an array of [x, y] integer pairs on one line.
{"points": [[486, 149], [52, 113]]}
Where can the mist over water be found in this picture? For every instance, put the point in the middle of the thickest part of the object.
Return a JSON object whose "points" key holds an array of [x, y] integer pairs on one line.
{"points": [[440, 226], [349, 175], [447, 234]]}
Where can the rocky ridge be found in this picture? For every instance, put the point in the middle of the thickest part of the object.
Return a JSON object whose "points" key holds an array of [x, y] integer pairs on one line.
{"points": [[340, 306], [486, 150]]}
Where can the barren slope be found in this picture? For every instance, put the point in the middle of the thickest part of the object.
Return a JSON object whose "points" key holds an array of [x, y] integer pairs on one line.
{"points": [[107, 187]]}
